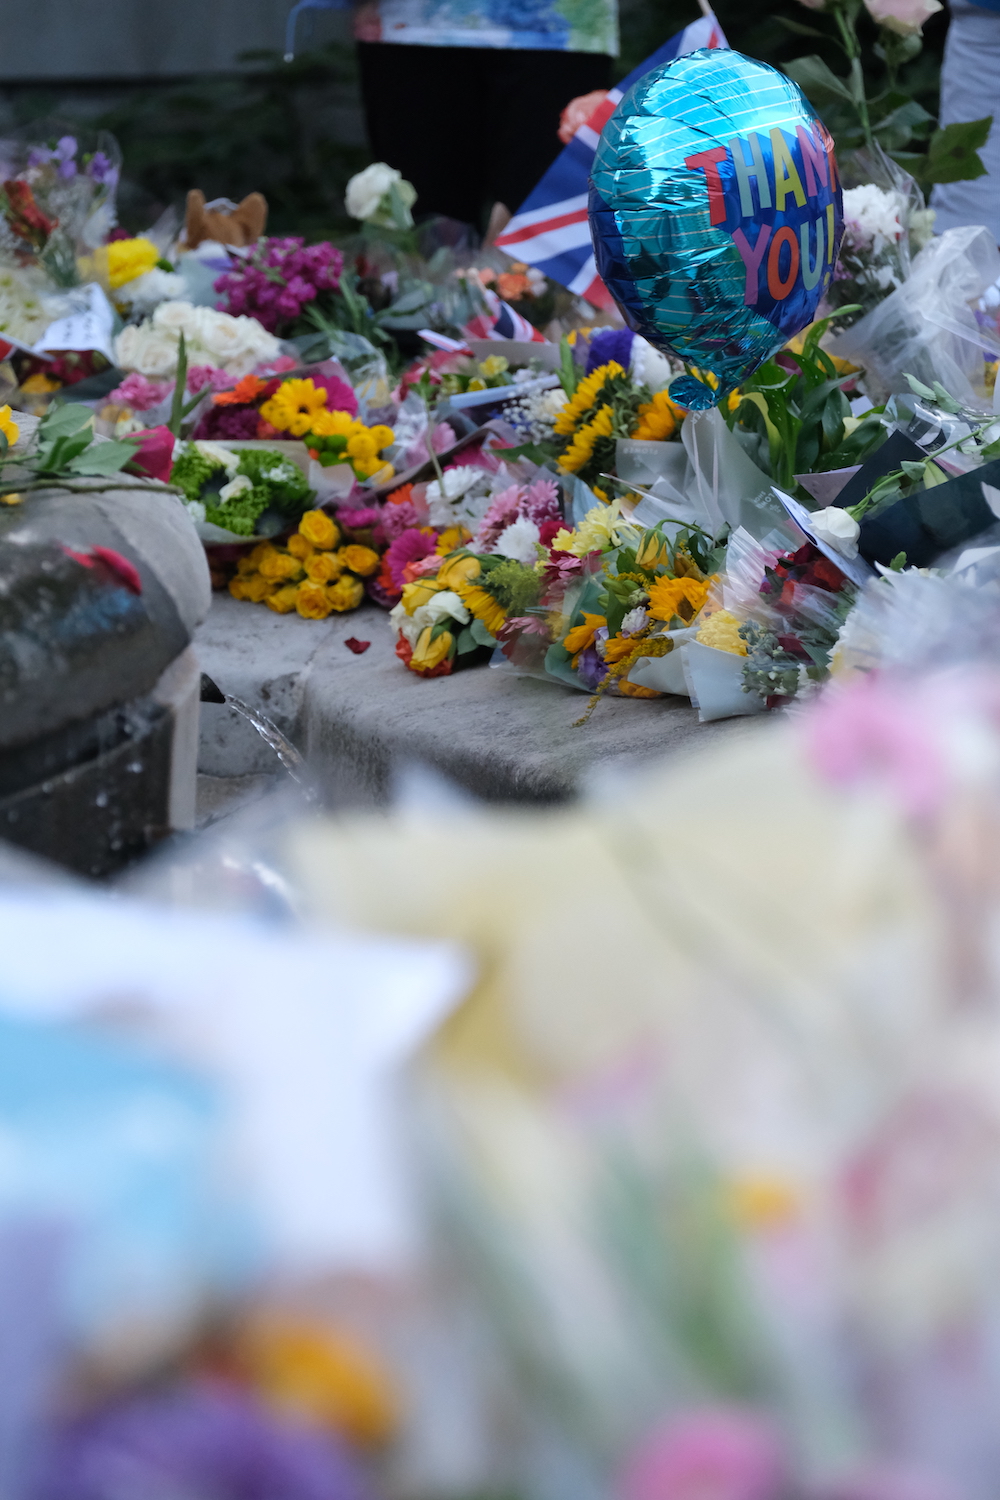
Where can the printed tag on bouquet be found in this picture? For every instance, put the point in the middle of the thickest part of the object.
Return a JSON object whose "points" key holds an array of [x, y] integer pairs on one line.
{"points": [[88, 327]]}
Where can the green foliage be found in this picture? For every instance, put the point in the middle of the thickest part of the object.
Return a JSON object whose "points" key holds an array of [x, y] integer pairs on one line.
{"points": [[953, 153], [513, 585], [66, 447], [802, 417]]}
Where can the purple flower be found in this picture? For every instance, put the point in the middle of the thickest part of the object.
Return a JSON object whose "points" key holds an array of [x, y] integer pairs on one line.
{"points": [[610, 343], [65, 155], [102, 169], [279, 279], [194, 1440], [590, 669], [227, 422]]}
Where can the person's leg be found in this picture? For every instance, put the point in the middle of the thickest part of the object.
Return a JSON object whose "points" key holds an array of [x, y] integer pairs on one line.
{"points": [[529, 91], [423, 116], [970, 90]]}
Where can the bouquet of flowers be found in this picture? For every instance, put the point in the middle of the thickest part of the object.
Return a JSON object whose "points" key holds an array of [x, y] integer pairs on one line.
{"points": [[56, 202], [320, 410], [237, 345], [315, 574], [233, 488], [279, 279]]}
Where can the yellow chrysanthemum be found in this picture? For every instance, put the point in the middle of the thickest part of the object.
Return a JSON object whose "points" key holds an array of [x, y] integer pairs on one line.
{"points": [[128, 259], [361, 445], [584, 397], [492, 366], [483, 606], [451, 539], [381, 436], [722, 630], [659, 419], [294, 406], [581, 448], [677, 596], [329, 423], [8, 426]]}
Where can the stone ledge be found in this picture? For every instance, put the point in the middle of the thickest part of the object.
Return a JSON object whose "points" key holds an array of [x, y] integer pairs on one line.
{"points": [[358, 719]]}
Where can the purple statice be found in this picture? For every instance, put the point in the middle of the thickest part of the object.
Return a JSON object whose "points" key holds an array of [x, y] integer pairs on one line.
{"points": [[194, 1440], [610, 344], [200, 376], [590, 669], [277, 281], [227, 422]]}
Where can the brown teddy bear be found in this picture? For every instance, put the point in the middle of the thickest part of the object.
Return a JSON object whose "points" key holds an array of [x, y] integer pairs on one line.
{"points": [[241, 227]]}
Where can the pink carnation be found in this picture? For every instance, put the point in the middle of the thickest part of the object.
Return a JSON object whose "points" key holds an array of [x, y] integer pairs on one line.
{"points": [[139, 392], [399, 518], [200, 376], [504, 510]]}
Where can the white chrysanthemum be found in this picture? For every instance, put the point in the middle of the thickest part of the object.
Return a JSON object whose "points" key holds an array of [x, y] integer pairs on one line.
{"points": [[519, 541], [871, 216]]}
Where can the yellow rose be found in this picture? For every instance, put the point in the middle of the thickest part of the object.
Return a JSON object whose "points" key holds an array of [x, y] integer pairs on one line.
{"points": [[324, 567], [312, 601], [652, 552], [8, 427], [237, 587], [283, 600], [361, 560], [419, 592], [428, 654], [299, 547], [347, 593], [257, 588], [280, 565], [262, 550], [317, 528], [246, 566], [459, 569]]}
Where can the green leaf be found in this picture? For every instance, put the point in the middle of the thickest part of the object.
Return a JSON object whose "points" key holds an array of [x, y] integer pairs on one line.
{"points": [[466, 641], [898, 563], [4, 445], [103, 458], [64, 421], [818, 82], [918, 388], [800, 29], [180, 381], [569, 377], [480, 634], [953, 153]]}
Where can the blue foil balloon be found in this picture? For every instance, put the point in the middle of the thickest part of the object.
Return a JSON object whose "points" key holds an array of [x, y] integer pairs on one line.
{"points": [[716, 215]]}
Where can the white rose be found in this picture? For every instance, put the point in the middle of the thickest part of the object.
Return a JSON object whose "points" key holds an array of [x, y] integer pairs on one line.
{"points": [[219, 456], [366, 189], [235, 344], [405, 624], [837, 529], [443, 606], [145, 350], [175, 317], [237, 486]]}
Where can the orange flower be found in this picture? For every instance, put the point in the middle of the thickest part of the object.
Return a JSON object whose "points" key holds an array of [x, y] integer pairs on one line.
{"points": [[400, 496], [243, 392], [582, 636], [618, 648], [677, 596], [633, 690]]}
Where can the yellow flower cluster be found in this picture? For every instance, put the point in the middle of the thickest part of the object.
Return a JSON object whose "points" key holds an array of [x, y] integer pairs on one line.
{"points": [[659, 419], [722, 630], [312, 575], [584, 397], [128, 259], [581, 448], [299, 407]]}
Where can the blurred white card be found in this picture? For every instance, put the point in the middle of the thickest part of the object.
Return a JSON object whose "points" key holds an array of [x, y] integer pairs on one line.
{"points": [[305, 1033]]}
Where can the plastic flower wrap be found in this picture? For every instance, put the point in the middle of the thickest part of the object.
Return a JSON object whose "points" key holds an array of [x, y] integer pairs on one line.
{"points": [[232, 488], [234, 344], [318, 572]]}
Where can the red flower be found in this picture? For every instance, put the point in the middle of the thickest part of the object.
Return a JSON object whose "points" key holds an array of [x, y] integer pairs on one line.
{"points": [[405, 653], [24, 216], [154, 455]]}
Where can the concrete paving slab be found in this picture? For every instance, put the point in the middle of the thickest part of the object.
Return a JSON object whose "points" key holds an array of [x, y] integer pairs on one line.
{"points": [[359, 719]]}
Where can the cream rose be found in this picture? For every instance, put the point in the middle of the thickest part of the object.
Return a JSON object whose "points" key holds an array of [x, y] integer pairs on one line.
{"points": [[837, 529], [144, 349], [905, 17], [366, 189]]}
